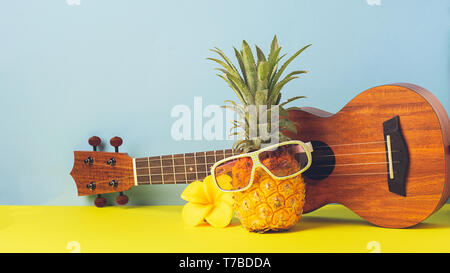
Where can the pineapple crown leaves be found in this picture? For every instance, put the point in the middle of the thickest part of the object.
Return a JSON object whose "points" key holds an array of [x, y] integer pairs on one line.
{"points": [[257, 82]]}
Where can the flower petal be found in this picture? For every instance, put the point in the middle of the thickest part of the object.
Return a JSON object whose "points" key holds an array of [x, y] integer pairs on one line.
{"points": [[194, 214], [195, 193], [220, 216], [211, 188], [226, 197]]}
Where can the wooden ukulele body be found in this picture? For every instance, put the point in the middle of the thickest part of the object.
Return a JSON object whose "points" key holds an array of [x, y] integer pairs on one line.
{"points": [[355, 135]]}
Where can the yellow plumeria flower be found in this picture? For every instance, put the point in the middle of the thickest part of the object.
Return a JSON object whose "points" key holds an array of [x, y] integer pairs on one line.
{"points": [[207, 202]]}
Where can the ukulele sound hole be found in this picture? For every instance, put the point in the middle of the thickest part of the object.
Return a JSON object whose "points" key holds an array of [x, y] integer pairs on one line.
{"points": [[323, 161]]}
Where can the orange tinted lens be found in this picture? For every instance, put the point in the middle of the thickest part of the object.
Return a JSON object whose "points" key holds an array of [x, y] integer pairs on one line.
{"points": [[285, 160], [234, 174]]}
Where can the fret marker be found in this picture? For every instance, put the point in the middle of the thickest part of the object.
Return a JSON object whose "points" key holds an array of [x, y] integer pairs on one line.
{"points": [[195, 164], [185, 172]]}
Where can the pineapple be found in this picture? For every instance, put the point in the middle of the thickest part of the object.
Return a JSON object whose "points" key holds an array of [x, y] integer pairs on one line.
{"points": [[268, 204]]}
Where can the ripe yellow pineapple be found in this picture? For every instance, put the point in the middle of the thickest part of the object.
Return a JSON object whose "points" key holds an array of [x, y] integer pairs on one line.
{"points": [[268, 204]]}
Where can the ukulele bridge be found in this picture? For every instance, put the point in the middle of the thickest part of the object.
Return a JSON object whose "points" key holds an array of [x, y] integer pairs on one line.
{"points": [[397, 156]]}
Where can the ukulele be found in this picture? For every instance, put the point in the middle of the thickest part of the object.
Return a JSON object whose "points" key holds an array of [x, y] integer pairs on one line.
{"points": [[385, 156]]}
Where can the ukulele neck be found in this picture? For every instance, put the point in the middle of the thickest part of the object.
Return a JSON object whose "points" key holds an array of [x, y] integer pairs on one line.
{"points": [[176, 168]]}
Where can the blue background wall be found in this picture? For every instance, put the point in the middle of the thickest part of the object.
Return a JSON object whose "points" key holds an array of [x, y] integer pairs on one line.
{"points": [[108, 68]]}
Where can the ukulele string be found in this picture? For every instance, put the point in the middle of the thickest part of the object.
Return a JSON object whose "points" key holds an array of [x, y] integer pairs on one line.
{"points": [[187, 181], [210, 165], [192, 157], [350, 144], [224, 151], [205, 164], [196, 155], [206, 172], [354, 164], [107, 181], [172, 157], [320, 156], [202, 164], [350, 174], [143, 182]]}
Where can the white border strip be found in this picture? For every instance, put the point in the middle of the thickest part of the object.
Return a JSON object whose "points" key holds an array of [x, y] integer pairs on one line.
{"points": [[134, 172]]}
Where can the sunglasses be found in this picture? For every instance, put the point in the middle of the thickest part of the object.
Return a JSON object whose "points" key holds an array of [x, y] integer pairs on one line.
{"points": [[291, 159]]}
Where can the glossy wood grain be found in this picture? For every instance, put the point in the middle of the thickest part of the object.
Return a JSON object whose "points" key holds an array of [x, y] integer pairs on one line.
{"points": [[426, 130], [101, 173]]}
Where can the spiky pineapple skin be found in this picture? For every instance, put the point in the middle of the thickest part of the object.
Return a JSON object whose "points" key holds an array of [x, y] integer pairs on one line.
{"points": [[269, 204]]}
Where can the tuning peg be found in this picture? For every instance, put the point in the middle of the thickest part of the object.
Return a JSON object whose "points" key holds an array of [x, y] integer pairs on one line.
{"points": [[100, 201], [94, 141], [121, 199], [116, 142]]}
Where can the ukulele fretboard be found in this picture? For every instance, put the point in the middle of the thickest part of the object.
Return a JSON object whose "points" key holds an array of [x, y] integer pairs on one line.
{"points": [[177, 168]]}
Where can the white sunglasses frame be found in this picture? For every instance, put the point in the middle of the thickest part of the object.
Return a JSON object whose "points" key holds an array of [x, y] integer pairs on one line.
{"points": [[307, 147]]}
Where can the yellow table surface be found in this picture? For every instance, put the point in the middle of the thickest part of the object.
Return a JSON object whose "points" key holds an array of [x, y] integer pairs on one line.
{"points": [[332, 228]]}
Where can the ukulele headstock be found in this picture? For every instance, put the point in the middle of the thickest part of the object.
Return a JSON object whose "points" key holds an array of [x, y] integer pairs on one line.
{"points": [[97, 172]]}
